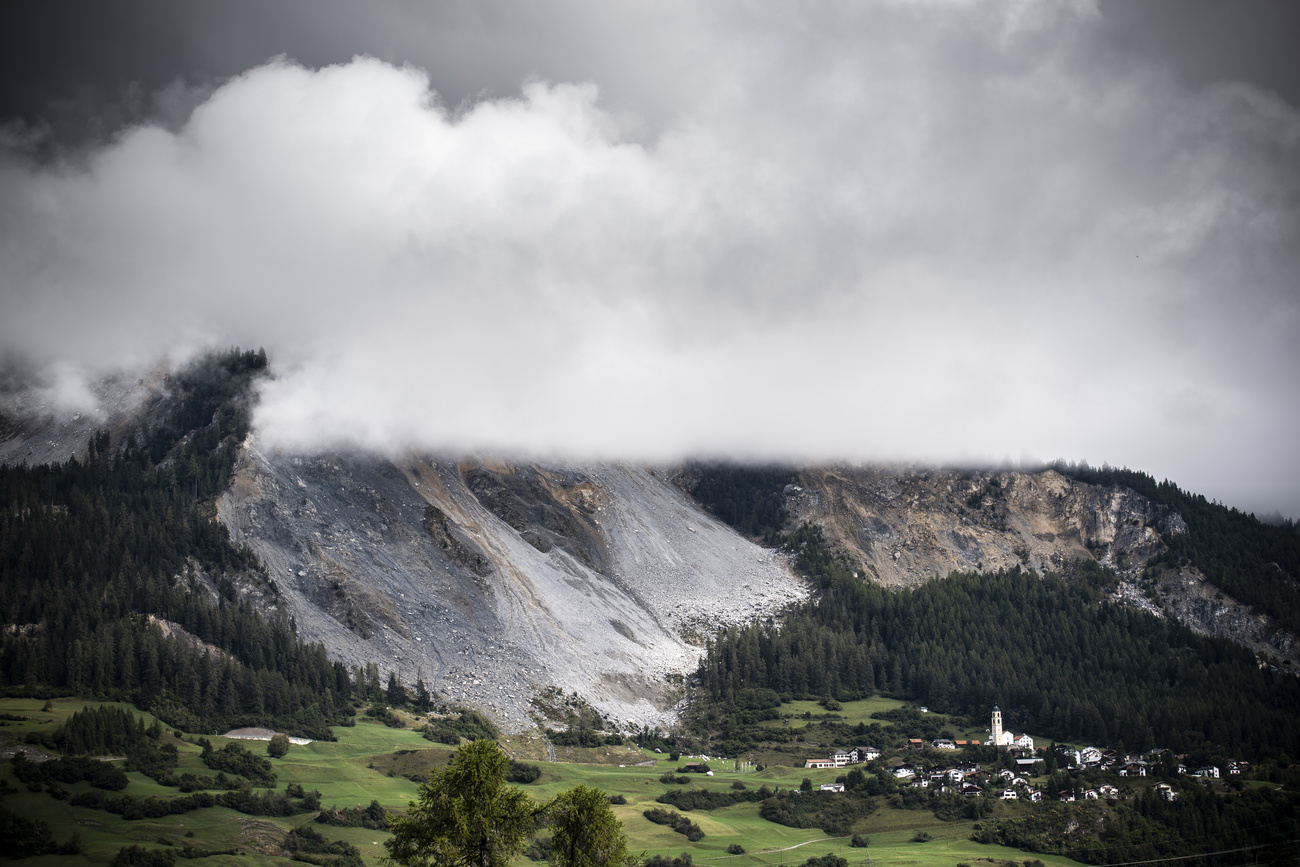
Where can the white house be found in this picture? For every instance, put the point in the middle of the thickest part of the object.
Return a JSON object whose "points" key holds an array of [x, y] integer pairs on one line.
{"points": [[865, 754]]}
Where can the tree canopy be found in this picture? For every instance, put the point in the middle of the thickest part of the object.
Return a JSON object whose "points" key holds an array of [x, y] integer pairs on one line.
{"points": [[585, 831], [466, 815]]}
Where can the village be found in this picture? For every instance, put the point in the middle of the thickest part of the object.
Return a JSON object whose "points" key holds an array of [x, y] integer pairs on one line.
{"points": [[1026, 765]]}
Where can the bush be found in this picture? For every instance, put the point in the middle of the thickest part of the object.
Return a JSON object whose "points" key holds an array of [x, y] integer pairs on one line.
{"points": [[921, 837], [469, 725], [735, 849], [617, 799], [660, 861], [834, 813], [234, 759], [704, 799], [522, 772], [676, 821], [70, 769], [827, 861], [373, 817], [859, 841], [278, 746], [136, 856]]}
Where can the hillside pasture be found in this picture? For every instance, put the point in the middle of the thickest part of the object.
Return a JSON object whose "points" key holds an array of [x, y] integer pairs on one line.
{"points": [[371, 761]]}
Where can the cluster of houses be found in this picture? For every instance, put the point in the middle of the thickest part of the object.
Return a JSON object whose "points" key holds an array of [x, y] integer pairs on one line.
{"points": [[972, 780]]}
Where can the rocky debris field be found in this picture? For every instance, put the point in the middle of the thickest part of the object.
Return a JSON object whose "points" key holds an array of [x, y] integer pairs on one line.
{"points": [[44, 423], [493, 581]]}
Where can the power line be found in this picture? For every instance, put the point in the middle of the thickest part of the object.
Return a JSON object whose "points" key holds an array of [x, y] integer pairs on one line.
{"points": [[1199, 854]]}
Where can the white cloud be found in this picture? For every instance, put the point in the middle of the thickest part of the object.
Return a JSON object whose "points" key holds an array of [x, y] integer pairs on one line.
{"points": [[904, 230]]}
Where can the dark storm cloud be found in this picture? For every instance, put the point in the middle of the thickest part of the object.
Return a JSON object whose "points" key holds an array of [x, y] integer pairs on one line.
{"points": [[1208, 41], [84, 68], [902, 230]]}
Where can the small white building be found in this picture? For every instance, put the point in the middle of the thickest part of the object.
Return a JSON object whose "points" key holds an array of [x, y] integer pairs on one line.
{"points": [[865, 754]]}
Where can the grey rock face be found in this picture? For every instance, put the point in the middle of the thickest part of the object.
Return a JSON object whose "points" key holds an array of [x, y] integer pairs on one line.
{"points": [[495, 581]]}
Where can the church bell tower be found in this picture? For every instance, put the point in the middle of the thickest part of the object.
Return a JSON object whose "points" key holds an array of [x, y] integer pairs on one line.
{"points": [[997, 727]]}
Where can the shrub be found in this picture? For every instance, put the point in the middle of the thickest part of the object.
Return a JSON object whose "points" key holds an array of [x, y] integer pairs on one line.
{"points": [[373, 817], [617, 799], [469, 725], [735, 849], [676, 821], [278, 746], [860, 841], [921, 837], [136, 856], [827, 861], [234, 759], [522, 772]]}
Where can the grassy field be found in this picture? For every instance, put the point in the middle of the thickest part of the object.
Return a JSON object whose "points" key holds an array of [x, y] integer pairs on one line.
{"points": [[373, 762], [850, 712]]}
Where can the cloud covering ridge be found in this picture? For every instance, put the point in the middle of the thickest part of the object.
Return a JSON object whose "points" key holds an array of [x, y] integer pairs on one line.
{"points": [[897, 231]]}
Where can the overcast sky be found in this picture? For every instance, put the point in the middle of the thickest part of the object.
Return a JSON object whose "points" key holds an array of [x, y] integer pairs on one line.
{"points": [[967, 231]]}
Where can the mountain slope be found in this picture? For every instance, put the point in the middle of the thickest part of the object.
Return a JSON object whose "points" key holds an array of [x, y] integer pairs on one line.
{"points": [[906, 525], [496, 581]]}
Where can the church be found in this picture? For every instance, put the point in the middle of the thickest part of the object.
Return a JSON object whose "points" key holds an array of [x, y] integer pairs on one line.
{"points": [[1000, 738]]}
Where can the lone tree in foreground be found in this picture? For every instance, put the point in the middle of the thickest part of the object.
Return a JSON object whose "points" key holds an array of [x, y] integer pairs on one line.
{"points": [[466, 815], [585, 831]]}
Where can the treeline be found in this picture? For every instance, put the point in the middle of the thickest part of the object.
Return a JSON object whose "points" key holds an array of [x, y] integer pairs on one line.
{"points": [[751, 499], [1253, 562], [243, 800], [95, 553], [1054, 652], [1255, 824]]}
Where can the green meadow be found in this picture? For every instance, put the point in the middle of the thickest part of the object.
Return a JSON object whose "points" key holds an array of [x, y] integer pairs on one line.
{"points": [[374, 762]]}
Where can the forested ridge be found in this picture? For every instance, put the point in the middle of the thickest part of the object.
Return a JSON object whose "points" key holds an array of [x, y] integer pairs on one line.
{"points": [[1253, 562], [1053, 651], [89, 549]]}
